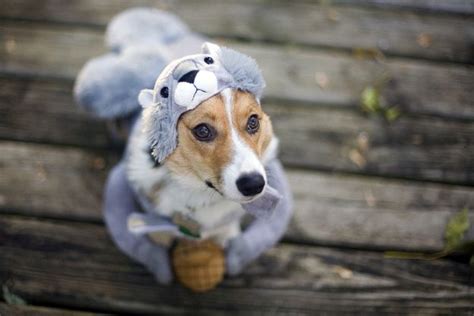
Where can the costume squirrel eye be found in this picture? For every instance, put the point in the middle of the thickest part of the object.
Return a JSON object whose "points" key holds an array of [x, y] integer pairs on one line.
{"points": [[208, 60], [164, 92], [253, 124], [204, 132]]}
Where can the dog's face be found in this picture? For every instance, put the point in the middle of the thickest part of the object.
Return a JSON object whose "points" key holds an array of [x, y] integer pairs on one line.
{"points": [[221, 144]]}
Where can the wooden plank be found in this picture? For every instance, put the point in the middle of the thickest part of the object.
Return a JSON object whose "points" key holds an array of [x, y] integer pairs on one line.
{"points": [[465, 7], [410, 147], [372, 213], [43, 111], [37, 53], [50, 181], [329, 209], [75, 264], [312, 137], [313, 76], [394, 32], [27, 310], [335, 79]]}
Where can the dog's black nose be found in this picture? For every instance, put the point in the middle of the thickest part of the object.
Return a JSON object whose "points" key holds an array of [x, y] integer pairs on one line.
{"points": [[250, 183], [189, 76]]}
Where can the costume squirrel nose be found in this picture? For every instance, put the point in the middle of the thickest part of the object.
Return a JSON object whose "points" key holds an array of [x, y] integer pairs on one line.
{"points": [[250, 184], [189, 76]]}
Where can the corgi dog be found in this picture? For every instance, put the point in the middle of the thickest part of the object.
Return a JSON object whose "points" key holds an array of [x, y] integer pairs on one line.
{"points": [[201, 152], [218, 164]]}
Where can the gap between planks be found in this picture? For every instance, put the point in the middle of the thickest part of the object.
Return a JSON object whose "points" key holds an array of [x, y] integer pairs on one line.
{"points": [[339, 25], [336, 210], [76, 265], [313, 137], [414, 86]]}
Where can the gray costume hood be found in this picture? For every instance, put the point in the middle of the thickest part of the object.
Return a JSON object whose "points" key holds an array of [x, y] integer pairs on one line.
{"points": [[188, 81], [141, 42]]}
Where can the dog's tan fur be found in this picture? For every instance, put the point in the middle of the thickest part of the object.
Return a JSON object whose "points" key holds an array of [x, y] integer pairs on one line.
{"points": [[245, 105], [206, 160]]}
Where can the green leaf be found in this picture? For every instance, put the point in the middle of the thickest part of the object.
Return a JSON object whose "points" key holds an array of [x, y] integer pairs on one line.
{"points": [[392, 114], [11, 298], [370, 100], [455, 229], [454, 235]]}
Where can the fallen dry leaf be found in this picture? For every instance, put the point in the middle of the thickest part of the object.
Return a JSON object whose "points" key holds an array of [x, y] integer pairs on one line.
{"points": [[356, 157], [322, 80], [343, 273], [370, 198], [98, 163], [363, 141], [424, 40]]}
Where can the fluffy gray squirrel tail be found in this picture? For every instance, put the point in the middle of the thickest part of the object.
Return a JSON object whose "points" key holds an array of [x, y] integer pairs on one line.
{"points": [[141, 42]]}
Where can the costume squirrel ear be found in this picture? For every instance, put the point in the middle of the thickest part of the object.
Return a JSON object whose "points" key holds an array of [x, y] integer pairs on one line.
{"points": [[145, 98], [244, 70], [210, 48]]}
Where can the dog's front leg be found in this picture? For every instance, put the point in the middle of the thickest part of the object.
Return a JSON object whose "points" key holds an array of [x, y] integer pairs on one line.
{"points": [[262, 233], [119, 203]]}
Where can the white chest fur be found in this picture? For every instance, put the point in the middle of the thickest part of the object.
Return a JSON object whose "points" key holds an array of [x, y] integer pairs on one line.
{"points": [[218, 217]]}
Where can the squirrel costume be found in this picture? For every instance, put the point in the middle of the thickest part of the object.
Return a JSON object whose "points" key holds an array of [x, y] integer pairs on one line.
{"points": [[156, 71]]}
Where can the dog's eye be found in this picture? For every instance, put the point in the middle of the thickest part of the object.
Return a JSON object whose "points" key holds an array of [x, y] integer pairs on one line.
{"points": [[253, 124], [164, 92], [205, 133], [208, 60]]}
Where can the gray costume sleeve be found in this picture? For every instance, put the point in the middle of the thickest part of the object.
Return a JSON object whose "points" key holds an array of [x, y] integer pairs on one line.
{"points": [[119, 203], [262, 233]]}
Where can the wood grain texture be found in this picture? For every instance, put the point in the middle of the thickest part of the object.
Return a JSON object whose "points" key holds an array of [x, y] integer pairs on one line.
{"points": [[75, 264], [317, 57], [22, 310], [325, 24], [49, 181], [373, 213], [44, 111], [314, 76], [421, 148], [451, 7], [40, 180], [311, 137], [304, 75], [50, 51]]}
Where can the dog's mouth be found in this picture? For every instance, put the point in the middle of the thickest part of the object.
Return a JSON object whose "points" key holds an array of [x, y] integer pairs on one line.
{"points": [[241, 198], [212, 186], [250, 199]]}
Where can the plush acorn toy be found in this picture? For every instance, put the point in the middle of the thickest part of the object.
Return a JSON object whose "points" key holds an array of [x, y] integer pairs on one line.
{"points": [[155, 71], [198, 265]]}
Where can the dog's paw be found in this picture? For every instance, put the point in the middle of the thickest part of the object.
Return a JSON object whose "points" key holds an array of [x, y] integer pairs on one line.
{"points": [[163, 276], [160, 266], [236, 256]]}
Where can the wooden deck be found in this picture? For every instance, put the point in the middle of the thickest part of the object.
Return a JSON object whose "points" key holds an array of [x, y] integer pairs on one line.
{"points": [[363, 184]]}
